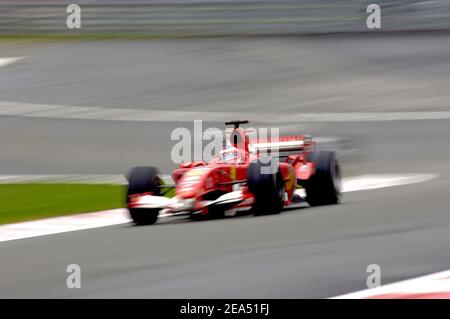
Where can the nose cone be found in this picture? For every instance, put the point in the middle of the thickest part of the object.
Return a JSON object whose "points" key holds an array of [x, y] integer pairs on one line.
{"points": [[192, 183], [187, 191]]}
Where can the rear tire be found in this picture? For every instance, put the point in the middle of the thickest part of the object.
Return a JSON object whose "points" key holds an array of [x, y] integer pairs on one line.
{"points": [[324, 187], [268, 189], [143, 179]]}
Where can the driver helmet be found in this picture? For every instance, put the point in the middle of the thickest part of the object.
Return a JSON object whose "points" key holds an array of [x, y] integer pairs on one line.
{"points": [[231, 154]]}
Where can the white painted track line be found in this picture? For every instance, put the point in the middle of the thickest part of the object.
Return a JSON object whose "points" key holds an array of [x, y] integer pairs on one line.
{"points": [[8, 61], [434, 286], [350, 184], [367, 182], [68, 178], [119, 216], [140, 115], [62, 224]]}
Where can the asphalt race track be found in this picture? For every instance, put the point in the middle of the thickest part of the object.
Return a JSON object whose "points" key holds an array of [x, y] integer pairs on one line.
{"points": [[302, 253]]}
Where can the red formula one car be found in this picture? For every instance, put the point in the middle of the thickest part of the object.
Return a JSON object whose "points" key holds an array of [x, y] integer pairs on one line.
{"points": [[240, 178]]}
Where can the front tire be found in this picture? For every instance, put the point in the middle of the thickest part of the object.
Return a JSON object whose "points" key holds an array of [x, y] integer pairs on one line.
{"points": [[143, 179], [144, 216], [268, 189]]}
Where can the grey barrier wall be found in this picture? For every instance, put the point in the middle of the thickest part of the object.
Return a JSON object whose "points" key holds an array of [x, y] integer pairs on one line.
{"points": [[220, 17]]}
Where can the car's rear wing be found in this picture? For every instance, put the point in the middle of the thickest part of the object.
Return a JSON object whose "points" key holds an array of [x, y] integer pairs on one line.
{"points": [[284, 145]]}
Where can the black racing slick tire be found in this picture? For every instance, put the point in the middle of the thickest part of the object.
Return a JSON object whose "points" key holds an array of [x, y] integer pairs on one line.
{"points": [[143, 179], [324, 187], [267, 188]]}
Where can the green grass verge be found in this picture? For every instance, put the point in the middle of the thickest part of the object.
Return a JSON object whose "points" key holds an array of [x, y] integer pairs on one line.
{"points": [[21, 202]]}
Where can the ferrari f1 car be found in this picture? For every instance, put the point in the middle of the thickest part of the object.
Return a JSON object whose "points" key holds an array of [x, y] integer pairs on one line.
{"points": [[239, 178]]}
